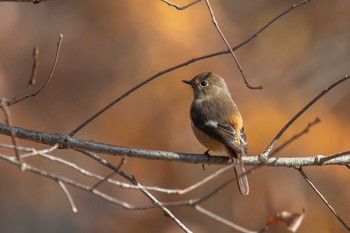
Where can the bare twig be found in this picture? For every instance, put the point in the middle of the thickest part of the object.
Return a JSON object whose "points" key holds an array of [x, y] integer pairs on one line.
{"points": [[133, 180], [199, 199], [178, 7], [130, 178], [183, 64], [216, 24], [267, 152], [205, 180], [32, 79], [43, 153], [109, 176], [296, 136], [222, 220], [12, 132], [323, 199], [220, 33], [19, 99], [34, 152], [68, 181], [70, 199]]}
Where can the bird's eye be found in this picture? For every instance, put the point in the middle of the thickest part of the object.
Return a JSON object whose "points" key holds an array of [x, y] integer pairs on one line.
{"points": [[204, 83]]}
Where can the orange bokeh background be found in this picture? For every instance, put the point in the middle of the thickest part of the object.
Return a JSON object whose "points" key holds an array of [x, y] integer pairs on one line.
{"points": [[110, 46]]}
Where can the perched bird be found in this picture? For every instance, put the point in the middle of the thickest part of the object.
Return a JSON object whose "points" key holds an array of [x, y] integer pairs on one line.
{"points": [[217, 123]]}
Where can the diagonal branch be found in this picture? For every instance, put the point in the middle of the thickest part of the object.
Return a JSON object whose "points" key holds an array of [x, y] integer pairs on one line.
{"points": [[106, 178], [133, 180], [323, 199], [216, 24], [267, 152], [183, 64], [296, 136], [223, 220]]}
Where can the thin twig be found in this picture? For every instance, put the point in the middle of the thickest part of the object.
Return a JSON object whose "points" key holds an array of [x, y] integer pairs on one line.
{"points": [[12, 132], [323, 199], [296, 136], [108, 176], [34, 152], [178, 7], [205, 180], [183, 64], [53, 68], [216, 24], [130, 178], [32, 79], [43, 153], [199, 199], [65, 180], [133, 180], [264, 156], [70, 199], [222, 220]]}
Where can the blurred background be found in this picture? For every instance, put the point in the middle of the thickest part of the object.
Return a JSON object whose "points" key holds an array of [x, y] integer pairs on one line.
{"points": [[110, 46]]}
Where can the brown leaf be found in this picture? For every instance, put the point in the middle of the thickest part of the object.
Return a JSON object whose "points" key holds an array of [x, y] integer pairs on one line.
{"points": [[291, 220]]}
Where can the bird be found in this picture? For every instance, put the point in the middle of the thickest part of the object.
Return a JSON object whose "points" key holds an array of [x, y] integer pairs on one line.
{"points": [[217, 123]]}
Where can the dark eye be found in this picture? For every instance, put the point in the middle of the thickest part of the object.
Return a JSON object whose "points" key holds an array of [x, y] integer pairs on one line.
{"points": [[204, 83]]}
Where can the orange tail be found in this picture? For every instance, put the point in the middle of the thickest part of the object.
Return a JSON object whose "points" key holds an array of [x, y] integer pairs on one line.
{"points": [[242, 179]]}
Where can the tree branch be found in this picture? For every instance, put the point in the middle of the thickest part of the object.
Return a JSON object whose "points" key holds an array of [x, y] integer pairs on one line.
{"points": [[323, 199], [53, 68], [68, 142], [223, 220], [216, 24], [8, 122], [32, 1], [133, 181], [183, 64], [267, 152]]}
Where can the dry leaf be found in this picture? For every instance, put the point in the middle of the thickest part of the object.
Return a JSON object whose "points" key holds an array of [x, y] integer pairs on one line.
{"points": [[291, 220]]}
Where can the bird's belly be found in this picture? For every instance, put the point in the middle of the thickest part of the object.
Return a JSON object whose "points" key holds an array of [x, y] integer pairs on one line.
{"points": [[207, 141]]}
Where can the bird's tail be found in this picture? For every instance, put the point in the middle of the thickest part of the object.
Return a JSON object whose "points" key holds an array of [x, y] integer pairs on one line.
{"points": [[242, 179]]}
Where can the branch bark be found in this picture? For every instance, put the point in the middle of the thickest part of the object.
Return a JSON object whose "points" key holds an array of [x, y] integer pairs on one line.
{"points": [[32, 1], [69, 142]]}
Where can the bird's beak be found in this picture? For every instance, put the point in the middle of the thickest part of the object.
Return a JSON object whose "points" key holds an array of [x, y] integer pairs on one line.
{"points": [[188, 82]]}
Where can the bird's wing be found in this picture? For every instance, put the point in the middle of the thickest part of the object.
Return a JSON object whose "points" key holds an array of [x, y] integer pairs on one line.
{"points": [[222, 132]]}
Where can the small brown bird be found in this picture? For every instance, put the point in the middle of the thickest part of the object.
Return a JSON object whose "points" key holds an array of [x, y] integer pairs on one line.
{"points": [[217, 123]]}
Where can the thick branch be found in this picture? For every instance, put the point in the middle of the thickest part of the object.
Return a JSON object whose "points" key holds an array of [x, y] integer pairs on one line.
{"points": [[32, 1], [68, 142]]}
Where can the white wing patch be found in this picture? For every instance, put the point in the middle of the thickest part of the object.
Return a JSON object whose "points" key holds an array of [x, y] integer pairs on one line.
{"points": [[211, 123]]}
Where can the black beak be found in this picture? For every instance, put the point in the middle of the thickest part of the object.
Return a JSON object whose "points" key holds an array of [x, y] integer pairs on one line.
{"points": [[189, 82]]}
